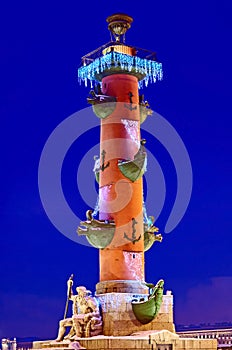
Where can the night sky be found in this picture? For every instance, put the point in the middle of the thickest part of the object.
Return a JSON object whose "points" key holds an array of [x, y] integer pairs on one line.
{"points": [[41, 47]]}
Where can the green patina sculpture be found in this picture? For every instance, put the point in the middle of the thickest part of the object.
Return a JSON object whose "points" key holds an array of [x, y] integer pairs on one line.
{"points": [[144, 109], [134, 169], [146, 310], [149, 234], [103, 105], [150, 238], [99, 233]]}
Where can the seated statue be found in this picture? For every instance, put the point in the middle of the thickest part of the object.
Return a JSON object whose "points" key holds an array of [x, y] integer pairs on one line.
{"points": [[86, 319]]}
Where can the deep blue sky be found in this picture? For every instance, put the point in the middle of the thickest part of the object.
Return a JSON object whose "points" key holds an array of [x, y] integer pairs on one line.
{"points": [[41, 47]]}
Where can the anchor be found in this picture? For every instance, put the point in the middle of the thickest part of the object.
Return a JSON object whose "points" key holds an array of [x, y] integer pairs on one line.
{"points": [[133, 237], [104, 166], [130, 107]]}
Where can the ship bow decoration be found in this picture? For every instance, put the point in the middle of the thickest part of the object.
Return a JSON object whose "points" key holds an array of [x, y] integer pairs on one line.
{"points": [[151, 234], [99, 233], [146, 310], [134, 169], [103, 105]]}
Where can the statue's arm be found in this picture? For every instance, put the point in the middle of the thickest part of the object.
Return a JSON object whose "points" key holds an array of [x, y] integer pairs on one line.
{"points": [[72, 297], [95, 312]]}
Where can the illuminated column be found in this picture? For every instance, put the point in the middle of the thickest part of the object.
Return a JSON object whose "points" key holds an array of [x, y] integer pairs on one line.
{"points": [[120, 70], [121, 199]]}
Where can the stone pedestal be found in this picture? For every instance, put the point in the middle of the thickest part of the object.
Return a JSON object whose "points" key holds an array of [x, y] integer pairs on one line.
{"points": [[123, 332], [150, 340], [119, 319]]}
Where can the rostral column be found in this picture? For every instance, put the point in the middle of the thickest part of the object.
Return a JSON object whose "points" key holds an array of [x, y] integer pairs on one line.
{"points": [[117, 71]]}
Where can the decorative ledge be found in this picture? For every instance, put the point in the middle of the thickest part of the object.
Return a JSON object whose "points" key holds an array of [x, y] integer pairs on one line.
{"points": [[114, 62]]}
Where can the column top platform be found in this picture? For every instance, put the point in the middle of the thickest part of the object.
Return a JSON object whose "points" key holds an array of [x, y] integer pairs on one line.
{"points": [[115, 57]]}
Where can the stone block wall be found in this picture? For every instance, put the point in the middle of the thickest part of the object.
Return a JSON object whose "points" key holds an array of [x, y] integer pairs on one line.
{"points": [[119, 319]]}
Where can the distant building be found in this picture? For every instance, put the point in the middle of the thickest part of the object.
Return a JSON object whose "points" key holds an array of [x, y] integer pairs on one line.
{"points": [[8, 344], [18, 344], [223, 336]]}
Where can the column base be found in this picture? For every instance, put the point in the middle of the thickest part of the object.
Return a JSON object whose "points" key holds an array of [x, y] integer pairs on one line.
{"points": [[121, 286], [119, 319]]}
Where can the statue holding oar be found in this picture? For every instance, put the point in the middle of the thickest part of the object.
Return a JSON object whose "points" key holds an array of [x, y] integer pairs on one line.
{"points": [[86, 319]]}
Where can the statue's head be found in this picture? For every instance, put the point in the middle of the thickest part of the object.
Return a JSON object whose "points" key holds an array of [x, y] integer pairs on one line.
{"points": [[160, 283], [81, 290]]}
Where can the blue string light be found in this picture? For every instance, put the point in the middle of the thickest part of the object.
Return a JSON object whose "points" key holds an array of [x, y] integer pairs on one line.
{"points": [[151, 70]]}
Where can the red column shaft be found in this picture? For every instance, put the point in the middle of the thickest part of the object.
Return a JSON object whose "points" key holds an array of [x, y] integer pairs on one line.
{"points": [[120, 199]]}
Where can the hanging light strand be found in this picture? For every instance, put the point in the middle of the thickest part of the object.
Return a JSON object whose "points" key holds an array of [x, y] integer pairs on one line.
{"points": [[151, 70]]}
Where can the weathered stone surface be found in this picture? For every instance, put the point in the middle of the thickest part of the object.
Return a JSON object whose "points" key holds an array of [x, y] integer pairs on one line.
{"points": [[119, 319], [121, 286], [122, 331], [146, 340]]}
